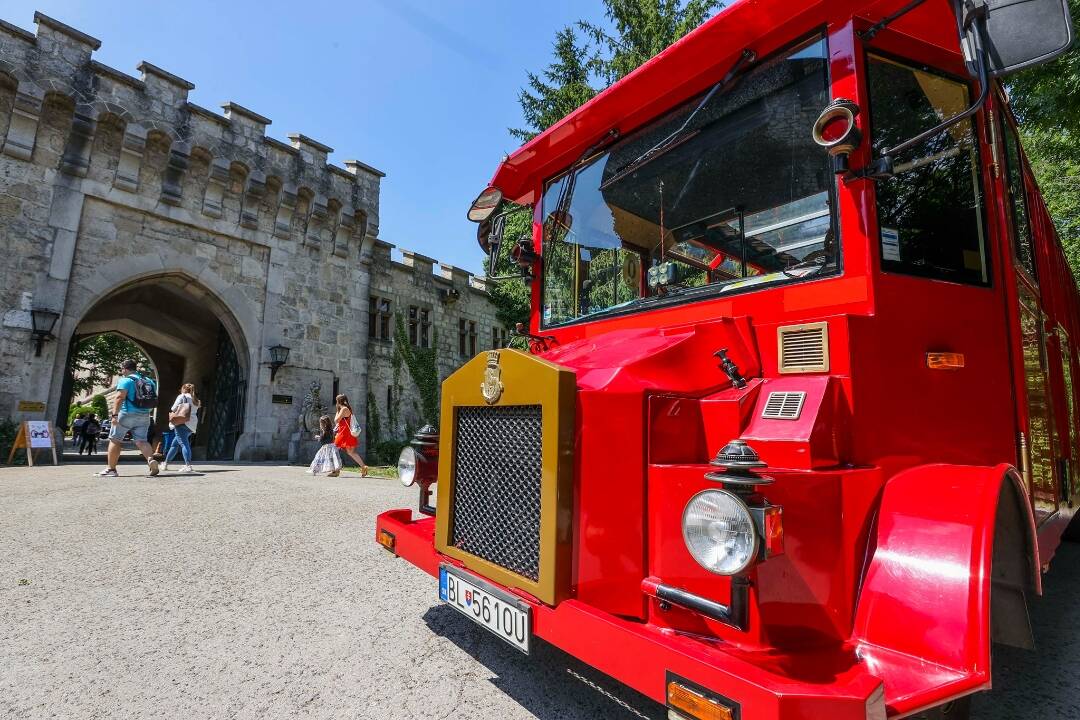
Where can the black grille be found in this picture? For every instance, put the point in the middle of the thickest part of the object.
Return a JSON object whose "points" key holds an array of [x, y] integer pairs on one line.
{"points": [[496, 503]]}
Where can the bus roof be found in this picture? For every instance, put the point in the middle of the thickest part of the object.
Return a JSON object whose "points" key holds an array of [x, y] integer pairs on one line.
{"points": [[692, 64]]}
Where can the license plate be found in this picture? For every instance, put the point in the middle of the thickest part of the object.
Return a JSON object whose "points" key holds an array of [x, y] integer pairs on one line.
{"points": [[489, 607]]}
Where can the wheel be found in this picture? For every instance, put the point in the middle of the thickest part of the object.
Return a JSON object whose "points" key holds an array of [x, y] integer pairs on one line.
{"points": [[954, 710], [1072, 532]]}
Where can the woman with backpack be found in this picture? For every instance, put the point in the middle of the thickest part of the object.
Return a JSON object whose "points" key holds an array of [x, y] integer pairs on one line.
{"points": [[183, 420], [348, 430]]}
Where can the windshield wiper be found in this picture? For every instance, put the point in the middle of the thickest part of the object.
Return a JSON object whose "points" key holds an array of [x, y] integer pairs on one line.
{"points": [[677, 138]]}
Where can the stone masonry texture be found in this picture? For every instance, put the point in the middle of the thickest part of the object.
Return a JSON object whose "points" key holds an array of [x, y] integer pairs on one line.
{"points": [[111, 183]]}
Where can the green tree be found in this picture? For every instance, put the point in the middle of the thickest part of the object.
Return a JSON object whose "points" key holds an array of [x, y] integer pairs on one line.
{"points": [[100, 406], [558, 90], [640, 30], [97, 359], [1046, 102]]}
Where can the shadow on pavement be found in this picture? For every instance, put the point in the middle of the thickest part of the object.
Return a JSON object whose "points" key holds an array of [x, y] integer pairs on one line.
{"points": [[1042, 683], [541, 682], [1039, 684]]}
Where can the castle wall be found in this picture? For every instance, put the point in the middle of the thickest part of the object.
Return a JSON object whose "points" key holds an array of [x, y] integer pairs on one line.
{"points": [[109, 180]]}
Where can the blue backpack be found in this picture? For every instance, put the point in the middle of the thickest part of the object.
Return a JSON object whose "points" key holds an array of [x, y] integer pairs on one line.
{"points": [[145, 393]]}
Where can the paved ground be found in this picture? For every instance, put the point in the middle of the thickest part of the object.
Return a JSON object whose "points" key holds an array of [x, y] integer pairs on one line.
{"points": [[256, 592]]}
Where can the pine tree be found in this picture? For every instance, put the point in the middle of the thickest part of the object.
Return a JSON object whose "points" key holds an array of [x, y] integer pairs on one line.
{"points": [[563, 88], [640, 30]]}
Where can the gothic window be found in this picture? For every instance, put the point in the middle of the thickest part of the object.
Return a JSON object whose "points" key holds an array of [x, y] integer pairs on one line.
{"points": [[498, 337], [425, 327], [461, 336], [419, 326], [378, 318], [472, 338]]}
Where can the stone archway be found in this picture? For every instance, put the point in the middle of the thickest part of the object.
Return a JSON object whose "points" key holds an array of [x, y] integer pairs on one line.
{"points": [[189, 332]]}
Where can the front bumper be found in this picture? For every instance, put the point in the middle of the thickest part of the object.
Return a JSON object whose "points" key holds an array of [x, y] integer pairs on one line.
{"points": [[768, 686]]}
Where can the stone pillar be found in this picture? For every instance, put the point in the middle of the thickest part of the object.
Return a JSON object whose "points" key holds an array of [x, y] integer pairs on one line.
{"points": [[76, 159], [283, 221], [131, 155], [249, 208], [342, 233], [317, 222], [215, 187], [22, 132], [172, 182]]}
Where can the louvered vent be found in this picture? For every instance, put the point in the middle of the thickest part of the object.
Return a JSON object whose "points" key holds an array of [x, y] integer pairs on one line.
{"points": [[784, 405], [804, 348]]}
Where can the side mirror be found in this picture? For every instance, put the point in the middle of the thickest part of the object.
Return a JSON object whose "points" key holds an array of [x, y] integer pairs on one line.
{"points": [[1016, 33]]}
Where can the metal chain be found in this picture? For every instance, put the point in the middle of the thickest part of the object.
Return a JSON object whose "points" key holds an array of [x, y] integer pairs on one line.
{"points": [[618, 701]]}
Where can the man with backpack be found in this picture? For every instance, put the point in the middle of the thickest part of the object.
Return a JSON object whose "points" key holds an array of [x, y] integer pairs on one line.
{"points": [[136, 396]]}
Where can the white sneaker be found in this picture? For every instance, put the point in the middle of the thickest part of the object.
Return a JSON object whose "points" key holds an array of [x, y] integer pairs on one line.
{"points": [[154, 469], [187, 468], [165, 466]]}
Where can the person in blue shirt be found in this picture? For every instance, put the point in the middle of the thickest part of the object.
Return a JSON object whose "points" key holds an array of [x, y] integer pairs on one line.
{"points": [[127, 415]]}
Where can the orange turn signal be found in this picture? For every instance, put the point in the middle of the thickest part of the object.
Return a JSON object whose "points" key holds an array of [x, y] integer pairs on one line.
{"points": [[944, 360], [690, 704], [387, 540]]}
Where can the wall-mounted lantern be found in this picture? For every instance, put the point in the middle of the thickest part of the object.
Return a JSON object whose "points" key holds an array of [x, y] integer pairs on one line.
{"points": [[279, 355], [44, 320]]}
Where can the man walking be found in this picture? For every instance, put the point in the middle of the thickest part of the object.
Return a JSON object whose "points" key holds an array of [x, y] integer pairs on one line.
{"points": [[136, 396]]}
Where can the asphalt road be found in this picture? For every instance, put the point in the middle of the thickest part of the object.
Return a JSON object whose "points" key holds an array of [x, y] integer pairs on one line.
{"points": [[257, 592]]}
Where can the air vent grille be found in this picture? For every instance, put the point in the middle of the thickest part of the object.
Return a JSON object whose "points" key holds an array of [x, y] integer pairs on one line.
{"points": [[804, 348], [784, 405]]}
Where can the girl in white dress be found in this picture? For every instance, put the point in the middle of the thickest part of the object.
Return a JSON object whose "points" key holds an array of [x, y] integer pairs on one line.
{"points": [[328, 459]]}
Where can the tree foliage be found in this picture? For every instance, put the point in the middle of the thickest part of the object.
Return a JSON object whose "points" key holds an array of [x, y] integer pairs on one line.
{"points": [[639, 29], [97, 360], [557, 91], [1046, 102]]}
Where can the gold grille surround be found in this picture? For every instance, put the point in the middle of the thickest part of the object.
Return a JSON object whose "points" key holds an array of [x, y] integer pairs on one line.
{"points": [[526, 380]]}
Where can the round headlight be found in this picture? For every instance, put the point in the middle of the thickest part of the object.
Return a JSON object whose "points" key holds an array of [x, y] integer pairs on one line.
{"points": [[406, 466], [719, 532]]}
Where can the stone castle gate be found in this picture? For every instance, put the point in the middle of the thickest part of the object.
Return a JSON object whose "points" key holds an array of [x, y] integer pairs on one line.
{"points": [[126, 208]]}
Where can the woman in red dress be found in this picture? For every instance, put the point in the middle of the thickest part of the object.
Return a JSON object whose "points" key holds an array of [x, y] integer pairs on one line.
{"points": [[343, 437]]}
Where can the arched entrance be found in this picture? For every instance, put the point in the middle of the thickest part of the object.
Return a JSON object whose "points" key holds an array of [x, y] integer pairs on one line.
{"points": [[190, 336]]}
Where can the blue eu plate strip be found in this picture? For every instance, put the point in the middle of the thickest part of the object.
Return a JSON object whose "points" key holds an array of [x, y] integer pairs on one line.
{"points": [[442, 584]]}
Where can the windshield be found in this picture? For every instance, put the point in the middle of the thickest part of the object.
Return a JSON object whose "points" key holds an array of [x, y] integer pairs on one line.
{"points": [[728, 191]]}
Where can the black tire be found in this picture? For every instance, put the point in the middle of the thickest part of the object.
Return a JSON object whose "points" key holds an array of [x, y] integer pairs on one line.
{"points": [[954, 710], [1072, 532]]}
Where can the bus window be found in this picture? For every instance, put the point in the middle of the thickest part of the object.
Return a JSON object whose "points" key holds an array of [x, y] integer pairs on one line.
{"points": [[931, 214], [1014, 175]]}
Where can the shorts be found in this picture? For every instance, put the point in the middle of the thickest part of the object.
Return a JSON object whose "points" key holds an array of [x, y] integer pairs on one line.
{"points": [[137, 423]]}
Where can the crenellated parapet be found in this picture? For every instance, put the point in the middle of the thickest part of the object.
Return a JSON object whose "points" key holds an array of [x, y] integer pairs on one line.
{"points": [[141, 136]]}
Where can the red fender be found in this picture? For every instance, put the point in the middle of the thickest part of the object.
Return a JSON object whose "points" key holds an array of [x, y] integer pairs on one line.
{"points": [[923, 619]]}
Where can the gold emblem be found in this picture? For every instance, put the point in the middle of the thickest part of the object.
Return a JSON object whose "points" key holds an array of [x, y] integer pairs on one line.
{"points": [[492, 386]]}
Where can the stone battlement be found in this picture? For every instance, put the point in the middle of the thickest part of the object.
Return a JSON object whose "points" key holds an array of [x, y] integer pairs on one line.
{"points": [[269, 175]]}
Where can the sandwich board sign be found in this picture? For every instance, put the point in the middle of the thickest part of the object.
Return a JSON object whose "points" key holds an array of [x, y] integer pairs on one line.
{"points": [[34, 435]]}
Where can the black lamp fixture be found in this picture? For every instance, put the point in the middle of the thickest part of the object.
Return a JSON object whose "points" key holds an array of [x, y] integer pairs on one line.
{"points": [[279, 355], [44, 320]]}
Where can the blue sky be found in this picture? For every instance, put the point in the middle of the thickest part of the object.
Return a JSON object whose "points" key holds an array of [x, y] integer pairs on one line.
{"points": [[424, 91]]}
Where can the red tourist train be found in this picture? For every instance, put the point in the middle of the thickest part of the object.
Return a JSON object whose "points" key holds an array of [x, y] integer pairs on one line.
{"points": [[796, 432]]}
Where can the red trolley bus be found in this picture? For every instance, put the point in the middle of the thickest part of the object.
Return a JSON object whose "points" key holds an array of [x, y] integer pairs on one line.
{"points": [[796, 432]]}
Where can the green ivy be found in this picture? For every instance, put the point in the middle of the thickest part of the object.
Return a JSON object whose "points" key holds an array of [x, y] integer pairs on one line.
{"points": [[373, 423], [423, 369]]}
